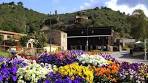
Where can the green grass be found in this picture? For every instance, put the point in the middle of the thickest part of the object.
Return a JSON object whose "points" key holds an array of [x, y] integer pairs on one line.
{"points": [[4, 53]]}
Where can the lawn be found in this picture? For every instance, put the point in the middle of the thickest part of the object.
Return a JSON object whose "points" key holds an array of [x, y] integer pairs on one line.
{"points": [[4, 53]]}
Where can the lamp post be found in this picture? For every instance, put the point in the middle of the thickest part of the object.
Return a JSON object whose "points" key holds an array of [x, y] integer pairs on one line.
{"points": [[87, 40], [50, 32], [145, 50]]}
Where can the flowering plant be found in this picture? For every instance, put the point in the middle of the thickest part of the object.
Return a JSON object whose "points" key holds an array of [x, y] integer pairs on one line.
{"points": [[132, 72], [74, 71], [56, 59], [72, 53], [9, 69], [94, 60], [143, 71], [28, 57], [58, 78], [33, 72], [107, 73], [109, 57]]}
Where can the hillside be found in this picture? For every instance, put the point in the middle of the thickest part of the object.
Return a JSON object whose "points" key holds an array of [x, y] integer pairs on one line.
{"points": [[102, 17], [14, 17], [17, 18]]}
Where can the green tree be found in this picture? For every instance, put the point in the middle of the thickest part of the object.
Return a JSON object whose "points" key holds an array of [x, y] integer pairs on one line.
{"points": [[20, 4], [11, 3], [41, 40], [24, 40], [138, 24]]}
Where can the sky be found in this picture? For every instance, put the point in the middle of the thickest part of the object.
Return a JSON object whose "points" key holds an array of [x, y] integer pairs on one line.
{"points": [[68, 6]]}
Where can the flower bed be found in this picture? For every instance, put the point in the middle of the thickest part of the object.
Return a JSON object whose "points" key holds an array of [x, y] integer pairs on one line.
{"points": [[71, 67], [94, 60]]}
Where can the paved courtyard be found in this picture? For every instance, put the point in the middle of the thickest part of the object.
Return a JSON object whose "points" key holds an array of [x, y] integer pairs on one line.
{"points": [[124, 56]]}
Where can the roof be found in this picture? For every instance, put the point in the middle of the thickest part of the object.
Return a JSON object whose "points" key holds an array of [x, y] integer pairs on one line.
{"points": [[11, 33], [89, 36], [82, 28]]}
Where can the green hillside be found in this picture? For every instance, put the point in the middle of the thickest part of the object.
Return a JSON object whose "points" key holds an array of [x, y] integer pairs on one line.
{"points": [[103, 17], [14, 17]]}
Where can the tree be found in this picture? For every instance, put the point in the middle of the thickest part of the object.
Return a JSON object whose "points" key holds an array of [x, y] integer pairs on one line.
{"points": [[41, 40], [29, 28], [24, 40], [138, 24], [11, 3], [20, 4], [51, 21]]}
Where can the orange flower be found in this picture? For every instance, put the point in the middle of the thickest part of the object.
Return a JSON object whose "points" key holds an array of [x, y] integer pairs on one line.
{"points": [[108, 72]]}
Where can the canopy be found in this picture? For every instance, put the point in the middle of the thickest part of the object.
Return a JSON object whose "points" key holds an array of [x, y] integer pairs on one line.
{"points": [[138, 42]]}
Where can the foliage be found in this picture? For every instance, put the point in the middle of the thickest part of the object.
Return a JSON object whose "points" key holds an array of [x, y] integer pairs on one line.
{"points": [[139, 24], [4, 53], [41, 40], [24, 40], [14, 17]]}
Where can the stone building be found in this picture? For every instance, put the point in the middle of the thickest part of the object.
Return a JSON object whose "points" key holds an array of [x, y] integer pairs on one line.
{"points": [[59, 38], [56, 37]]}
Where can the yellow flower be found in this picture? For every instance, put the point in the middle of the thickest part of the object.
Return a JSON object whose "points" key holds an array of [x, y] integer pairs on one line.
{"points": [[109, 62], [74, 69]]}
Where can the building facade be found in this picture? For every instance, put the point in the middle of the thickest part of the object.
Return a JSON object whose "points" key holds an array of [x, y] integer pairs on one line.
{"points": [[7, 35], [56, 37], [59, 38], [92, 38]]}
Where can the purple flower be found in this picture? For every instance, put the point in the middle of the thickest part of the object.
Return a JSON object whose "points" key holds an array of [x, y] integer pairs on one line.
{"points": [[47, 81], [1, 78], [69, 57], [129, 71], [9, 68], [58, 78], [14, 78], [109, 57]]}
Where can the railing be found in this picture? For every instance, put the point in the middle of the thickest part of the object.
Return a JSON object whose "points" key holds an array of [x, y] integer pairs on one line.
{"points": [[6, 50]]}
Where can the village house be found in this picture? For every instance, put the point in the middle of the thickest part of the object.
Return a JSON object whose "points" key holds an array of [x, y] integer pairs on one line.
{"points": [[7, 35], [56, 39]]}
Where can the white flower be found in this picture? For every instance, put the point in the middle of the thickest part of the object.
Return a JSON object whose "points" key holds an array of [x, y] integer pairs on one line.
{"points": [[92, 59], [33, 72]]}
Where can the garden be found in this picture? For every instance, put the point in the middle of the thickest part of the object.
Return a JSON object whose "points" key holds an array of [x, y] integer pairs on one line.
{"points": [[71, 67]]}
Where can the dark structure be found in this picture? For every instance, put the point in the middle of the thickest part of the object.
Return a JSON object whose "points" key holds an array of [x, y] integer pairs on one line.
{"points": [[92, 38]]}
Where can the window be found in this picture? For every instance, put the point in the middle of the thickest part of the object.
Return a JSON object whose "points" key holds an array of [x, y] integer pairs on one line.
{"points": [[9, 36], [73, 47], [92, 31], [82, 32], [1, 37]]}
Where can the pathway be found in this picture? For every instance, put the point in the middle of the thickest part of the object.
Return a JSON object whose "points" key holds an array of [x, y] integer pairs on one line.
{"points": [[124, 56]]}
